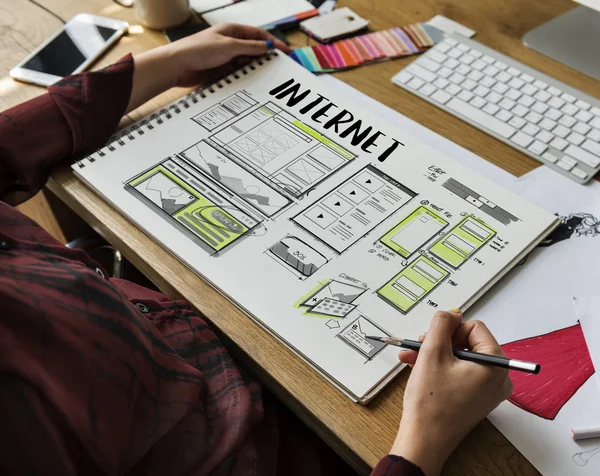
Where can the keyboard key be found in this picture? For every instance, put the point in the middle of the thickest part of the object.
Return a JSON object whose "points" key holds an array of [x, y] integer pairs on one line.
{"points": [[403, 77], [503, 77], [533, 117], [582, 105], [453, 89], [575, 138], [454, 53], [595, 111], [500, 65], [465, 95], [568, 97], [441, 96], [591, 146], [477, 102], [540, 84], [463, 69], [437, 56], [481, 118], [477, 54], [503, 115], [487, 81], [550, 157], [488, 59], [547, 124], [556, 102], [415, 83], [595, 122], [513, 71], [427, 90], [522, 139], [565, 164], [422, 73], [513, 94], [529, 90], [443, 47], [526, 101], [507, 104], [429, 64], [539, 107], [516, 83], [594, 134], [444, 72], [475, 75], [581, 128], [589, 159], [451, 41], [467, 59], [542, 96], [553, 114], [479, 65], [493, 97], [527, 78], [544, 136], [582, 174], [500, 88], [554, 91], [517, 122], [441, 83], [538, 148], [491, 71], [469, 84], [490, 108], [481, 91], [457, 78], [583, 116], [561, 131], [559, 144], [451, 63], [519, 110], [462, 47], [531, 129], [567, 121]]}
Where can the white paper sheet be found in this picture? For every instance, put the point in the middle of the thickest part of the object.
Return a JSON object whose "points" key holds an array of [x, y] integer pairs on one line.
{"points": [[258, 12], [537, 298], [588, 312], [202, 6]]}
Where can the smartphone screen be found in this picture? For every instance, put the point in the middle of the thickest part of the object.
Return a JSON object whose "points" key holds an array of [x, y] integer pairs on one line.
{"points": [[77, 42]]}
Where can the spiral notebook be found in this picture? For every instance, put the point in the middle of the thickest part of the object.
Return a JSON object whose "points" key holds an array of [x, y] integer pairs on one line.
{"points": [[323, 222]]}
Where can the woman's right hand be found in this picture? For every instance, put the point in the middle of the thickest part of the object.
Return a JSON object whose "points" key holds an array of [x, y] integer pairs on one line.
{"points": [[446, 397]]}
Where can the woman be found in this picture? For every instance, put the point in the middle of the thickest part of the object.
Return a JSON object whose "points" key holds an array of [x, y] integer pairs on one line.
{"points": [[102, 376]]}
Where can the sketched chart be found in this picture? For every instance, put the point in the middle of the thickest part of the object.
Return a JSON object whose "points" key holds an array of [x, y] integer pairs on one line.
{"points": [[164, 193], [266, 143], [355, 335], [304, 171], [331, 299]]}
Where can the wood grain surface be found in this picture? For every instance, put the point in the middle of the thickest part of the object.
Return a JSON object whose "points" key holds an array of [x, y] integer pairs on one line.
{"points": [[362, 435]]}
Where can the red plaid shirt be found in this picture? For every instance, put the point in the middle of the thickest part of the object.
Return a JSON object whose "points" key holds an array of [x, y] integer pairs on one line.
{"points": [[100, 375]]}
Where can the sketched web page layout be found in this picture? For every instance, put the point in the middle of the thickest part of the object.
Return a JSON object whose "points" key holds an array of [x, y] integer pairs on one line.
{"points": [[323, 222]]}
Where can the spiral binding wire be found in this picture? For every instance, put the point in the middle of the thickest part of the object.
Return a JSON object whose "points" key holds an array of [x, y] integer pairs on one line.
{"points": [[157, 118]]}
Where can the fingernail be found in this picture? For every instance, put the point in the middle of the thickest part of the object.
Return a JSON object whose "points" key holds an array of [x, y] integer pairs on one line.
{"points": [[458, 311], [269, 44]]}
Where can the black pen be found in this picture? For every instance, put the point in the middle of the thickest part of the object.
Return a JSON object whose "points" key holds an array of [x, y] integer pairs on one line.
{"points": [[485, 359]]}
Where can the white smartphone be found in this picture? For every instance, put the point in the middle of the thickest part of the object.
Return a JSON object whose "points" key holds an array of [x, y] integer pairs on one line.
{"points": [[70, 50]]}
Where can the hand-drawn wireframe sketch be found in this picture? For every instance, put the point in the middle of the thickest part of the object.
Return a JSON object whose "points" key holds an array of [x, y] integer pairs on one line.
{"points": [[236, 179], [281, 150], [195, 208], [476, 199], [414, 231], [412, 284], [224, 111], [582, 458], [574, 225], [566, 366], [349, 212], [463, 241], [298, 255], [330, 299], [355, 336]]}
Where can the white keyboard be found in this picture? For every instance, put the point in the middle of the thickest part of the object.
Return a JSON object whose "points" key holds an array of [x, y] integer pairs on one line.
{"points": [[534, 113]]}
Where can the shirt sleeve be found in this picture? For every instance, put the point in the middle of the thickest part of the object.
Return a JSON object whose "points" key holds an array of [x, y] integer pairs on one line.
{"points": [[393, 465], [75, 117]]}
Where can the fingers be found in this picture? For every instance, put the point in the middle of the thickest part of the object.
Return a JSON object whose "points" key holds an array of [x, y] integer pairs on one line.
{"points": [[439, 337], [408, 356], [245, 32], [475, 336]]}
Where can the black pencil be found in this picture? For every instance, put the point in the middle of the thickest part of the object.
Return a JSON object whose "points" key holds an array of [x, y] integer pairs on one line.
{"points": [[484, 359]]}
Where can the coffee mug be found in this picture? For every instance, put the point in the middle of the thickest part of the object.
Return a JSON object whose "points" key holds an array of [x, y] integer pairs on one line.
{"points": [[159, 14]]}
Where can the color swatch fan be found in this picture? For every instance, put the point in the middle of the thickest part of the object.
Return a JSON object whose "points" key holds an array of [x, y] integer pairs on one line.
{"points": [[359, 50], [566, 365]]}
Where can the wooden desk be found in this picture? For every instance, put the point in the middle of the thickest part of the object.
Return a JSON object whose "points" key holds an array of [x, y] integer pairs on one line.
{"points": [[362, 435]]}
